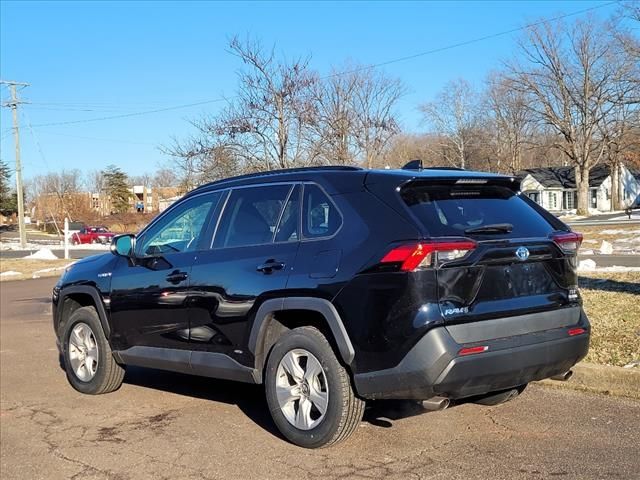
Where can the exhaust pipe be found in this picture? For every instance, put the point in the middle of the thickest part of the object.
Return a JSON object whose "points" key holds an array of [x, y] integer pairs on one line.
{"points": [[434, 404], [563, 377]]}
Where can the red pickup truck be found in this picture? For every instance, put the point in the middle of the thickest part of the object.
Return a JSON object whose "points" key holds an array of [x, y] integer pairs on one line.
{"points": [[92, 235]]}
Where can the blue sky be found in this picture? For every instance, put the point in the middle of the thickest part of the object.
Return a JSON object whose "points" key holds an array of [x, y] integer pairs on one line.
{"points": [[95, 59]]}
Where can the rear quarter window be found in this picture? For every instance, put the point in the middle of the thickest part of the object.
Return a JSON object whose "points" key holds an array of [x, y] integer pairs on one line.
{"points": [[450, 210]]}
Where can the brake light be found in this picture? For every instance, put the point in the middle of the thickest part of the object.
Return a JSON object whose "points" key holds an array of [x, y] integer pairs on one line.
{"points": [[568, 242], [421, 255], [473, 350]]}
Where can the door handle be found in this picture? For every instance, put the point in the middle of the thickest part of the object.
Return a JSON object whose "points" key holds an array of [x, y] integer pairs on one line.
{"points": [[177, 277], [269, 266]]}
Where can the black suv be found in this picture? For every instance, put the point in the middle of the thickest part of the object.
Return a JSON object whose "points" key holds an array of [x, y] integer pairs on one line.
{"points": [[331, 286]]}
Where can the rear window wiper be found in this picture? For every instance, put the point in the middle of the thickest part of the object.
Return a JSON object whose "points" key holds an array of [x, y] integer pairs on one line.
{"points": [[492, 228]]}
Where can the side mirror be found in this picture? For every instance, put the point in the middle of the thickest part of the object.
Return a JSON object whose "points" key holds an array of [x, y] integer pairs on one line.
{"points": [[123, 245]]}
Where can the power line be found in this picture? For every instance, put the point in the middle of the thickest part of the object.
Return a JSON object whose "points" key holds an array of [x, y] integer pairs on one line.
{"points": [[364, 68], [472, 41], [134, 114]]}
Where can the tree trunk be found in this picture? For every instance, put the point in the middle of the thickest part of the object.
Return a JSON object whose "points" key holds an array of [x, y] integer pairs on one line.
{"points": [[615, 187], [582, 186]]}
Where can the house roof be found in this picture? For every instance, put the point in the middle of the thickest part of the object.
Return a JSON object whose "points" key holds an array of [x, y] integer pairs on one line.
{"points": [[565, 177]]}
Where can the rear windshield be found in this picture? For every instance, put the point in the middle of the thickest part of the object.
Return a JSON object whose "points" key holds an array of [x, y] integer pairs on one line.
{"points": [[452, 210]]}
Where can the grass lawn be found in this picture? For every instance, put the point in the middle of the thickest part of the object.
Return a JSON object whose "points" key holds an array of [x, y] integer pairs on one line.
{"points": [[28, 268], [611, 301], [594, 235]]}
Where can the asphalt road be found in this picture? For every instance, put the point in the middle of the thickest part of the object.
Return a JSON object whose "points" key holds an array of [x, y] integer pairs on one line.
{"points": [[613, 260], [163, 425]]}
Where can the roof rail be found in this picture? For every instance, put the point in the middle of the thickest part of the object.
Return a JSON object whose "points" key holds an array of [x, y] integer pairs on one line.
{"points": [[267, 173], [443, 168]]}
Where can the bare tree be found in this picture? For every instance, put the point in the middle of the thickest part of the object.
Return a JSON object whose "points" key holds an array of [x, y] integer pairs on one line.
{"points": [[455, 115], [512, 123], [94, 181], [374, 100], [59, 193], [571, 75], [145, 179], [354, 115], [265, 123], [165, 178]]}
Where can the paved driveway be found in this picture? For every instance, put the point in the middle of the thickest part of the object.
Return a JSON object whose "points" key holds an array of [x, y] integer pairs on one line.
{"points": [[163, 425]]}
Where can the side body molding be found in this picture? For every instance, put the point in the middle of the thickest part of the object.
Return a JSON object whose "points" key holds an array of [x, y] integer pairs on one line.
{"points": [[97, 300], [320, 305]]}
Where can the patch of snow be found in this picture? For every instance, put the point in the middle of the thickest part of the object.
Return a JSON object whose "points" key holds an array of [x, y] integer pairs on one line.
{"points": [[606, 248], [590, 266], [589, 240], [586, 252], [586, 265], [37, 273], [42, 254], [9, 273], [617, 268]]}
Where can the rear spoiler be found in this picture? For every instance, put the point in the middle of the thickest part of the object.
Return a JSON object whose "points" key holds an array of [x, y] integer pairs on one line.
{"points": [[512, 183]]}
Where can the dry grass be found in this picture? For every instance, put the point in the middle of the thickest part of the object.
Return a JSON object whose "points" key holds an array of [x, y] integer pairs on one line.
{"points": [[31, 268], [611, 303], [594, 236]]}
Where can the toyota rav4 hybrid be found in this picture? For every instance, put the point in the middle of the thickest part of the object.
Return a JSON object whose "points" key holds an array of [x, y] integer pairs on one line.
{"points": [[332, 286]]}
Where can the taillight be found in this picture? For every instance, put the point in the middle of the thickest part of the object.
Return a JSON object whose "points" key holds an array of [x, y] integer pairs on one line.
{"points": [[428, 254], [568, 242]]}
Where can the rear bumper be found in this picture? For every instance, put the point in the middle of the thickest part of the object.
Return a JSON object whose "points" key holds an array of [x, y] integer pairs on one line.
{"points": [[433, 366]]}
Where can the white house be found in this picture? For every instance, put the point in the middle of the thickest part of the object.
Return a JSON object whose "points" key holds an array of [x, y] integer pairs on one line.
{"points": [[554, 188]]}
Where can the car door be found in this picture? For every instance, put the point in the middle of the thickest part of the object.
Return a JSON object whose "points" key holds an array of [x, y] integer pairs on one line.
{"points": [[150, 296], [254, 250]]}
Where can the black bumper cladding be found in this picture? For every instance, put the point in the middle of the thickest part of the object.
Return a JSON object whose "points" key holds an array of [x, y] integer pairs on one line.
{"points": [[434, 367]]}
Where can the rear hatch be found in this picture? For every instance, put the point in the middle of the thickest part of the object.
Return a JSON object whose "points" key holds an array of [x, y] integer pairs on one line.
{"points": [[513, 257]]}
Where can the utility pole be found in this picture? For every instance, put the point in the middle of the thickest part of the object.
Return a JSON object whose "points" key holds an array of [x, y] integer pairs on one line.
{"points": [[13, 104]]}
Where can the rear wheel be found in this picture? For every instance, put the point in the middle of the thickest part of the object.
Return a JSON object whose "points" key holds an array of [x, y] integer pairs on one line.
{"points": [[309, 392], [88, 359]]}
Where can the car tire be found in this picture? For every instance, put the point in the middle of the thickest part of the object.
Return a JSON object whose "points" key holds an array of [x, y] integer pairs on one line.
{"points": [[335, 411], [87, 356]]}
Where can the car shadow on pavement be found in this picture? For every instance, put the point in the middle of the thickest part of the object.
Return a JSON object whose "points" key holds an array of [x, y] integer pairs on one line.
{"points": [[608, 285], [248, 398]]}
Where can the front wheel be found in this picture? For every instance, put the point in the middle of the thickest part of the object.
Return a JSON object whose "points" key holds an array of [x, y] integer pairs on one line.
{"points": [[88, 359], [309, 392]]}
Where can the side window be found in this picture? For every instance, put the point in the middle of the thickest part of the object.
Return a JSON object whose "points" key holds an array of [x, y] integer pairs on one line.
{"points": [[180, 229], [320, 217], [288, 228], [251, 215]]}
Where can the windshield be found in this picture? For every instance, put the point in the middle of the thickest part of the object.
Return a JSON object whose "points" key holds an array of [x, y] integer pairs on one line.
{"points": [[453, 210]]}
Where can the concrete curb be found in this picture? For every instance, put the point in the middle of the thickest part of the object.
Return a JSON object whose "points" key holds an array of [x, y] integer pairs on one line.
{"points": [[617, 381]]}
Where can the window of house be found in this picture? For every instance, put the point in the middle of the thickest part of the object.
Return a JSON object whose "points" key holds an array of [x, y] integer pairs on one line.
{"points": [[535, 196], [320, 217], [553, 200], [594, 197], [569, 200], [251, 216]]}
